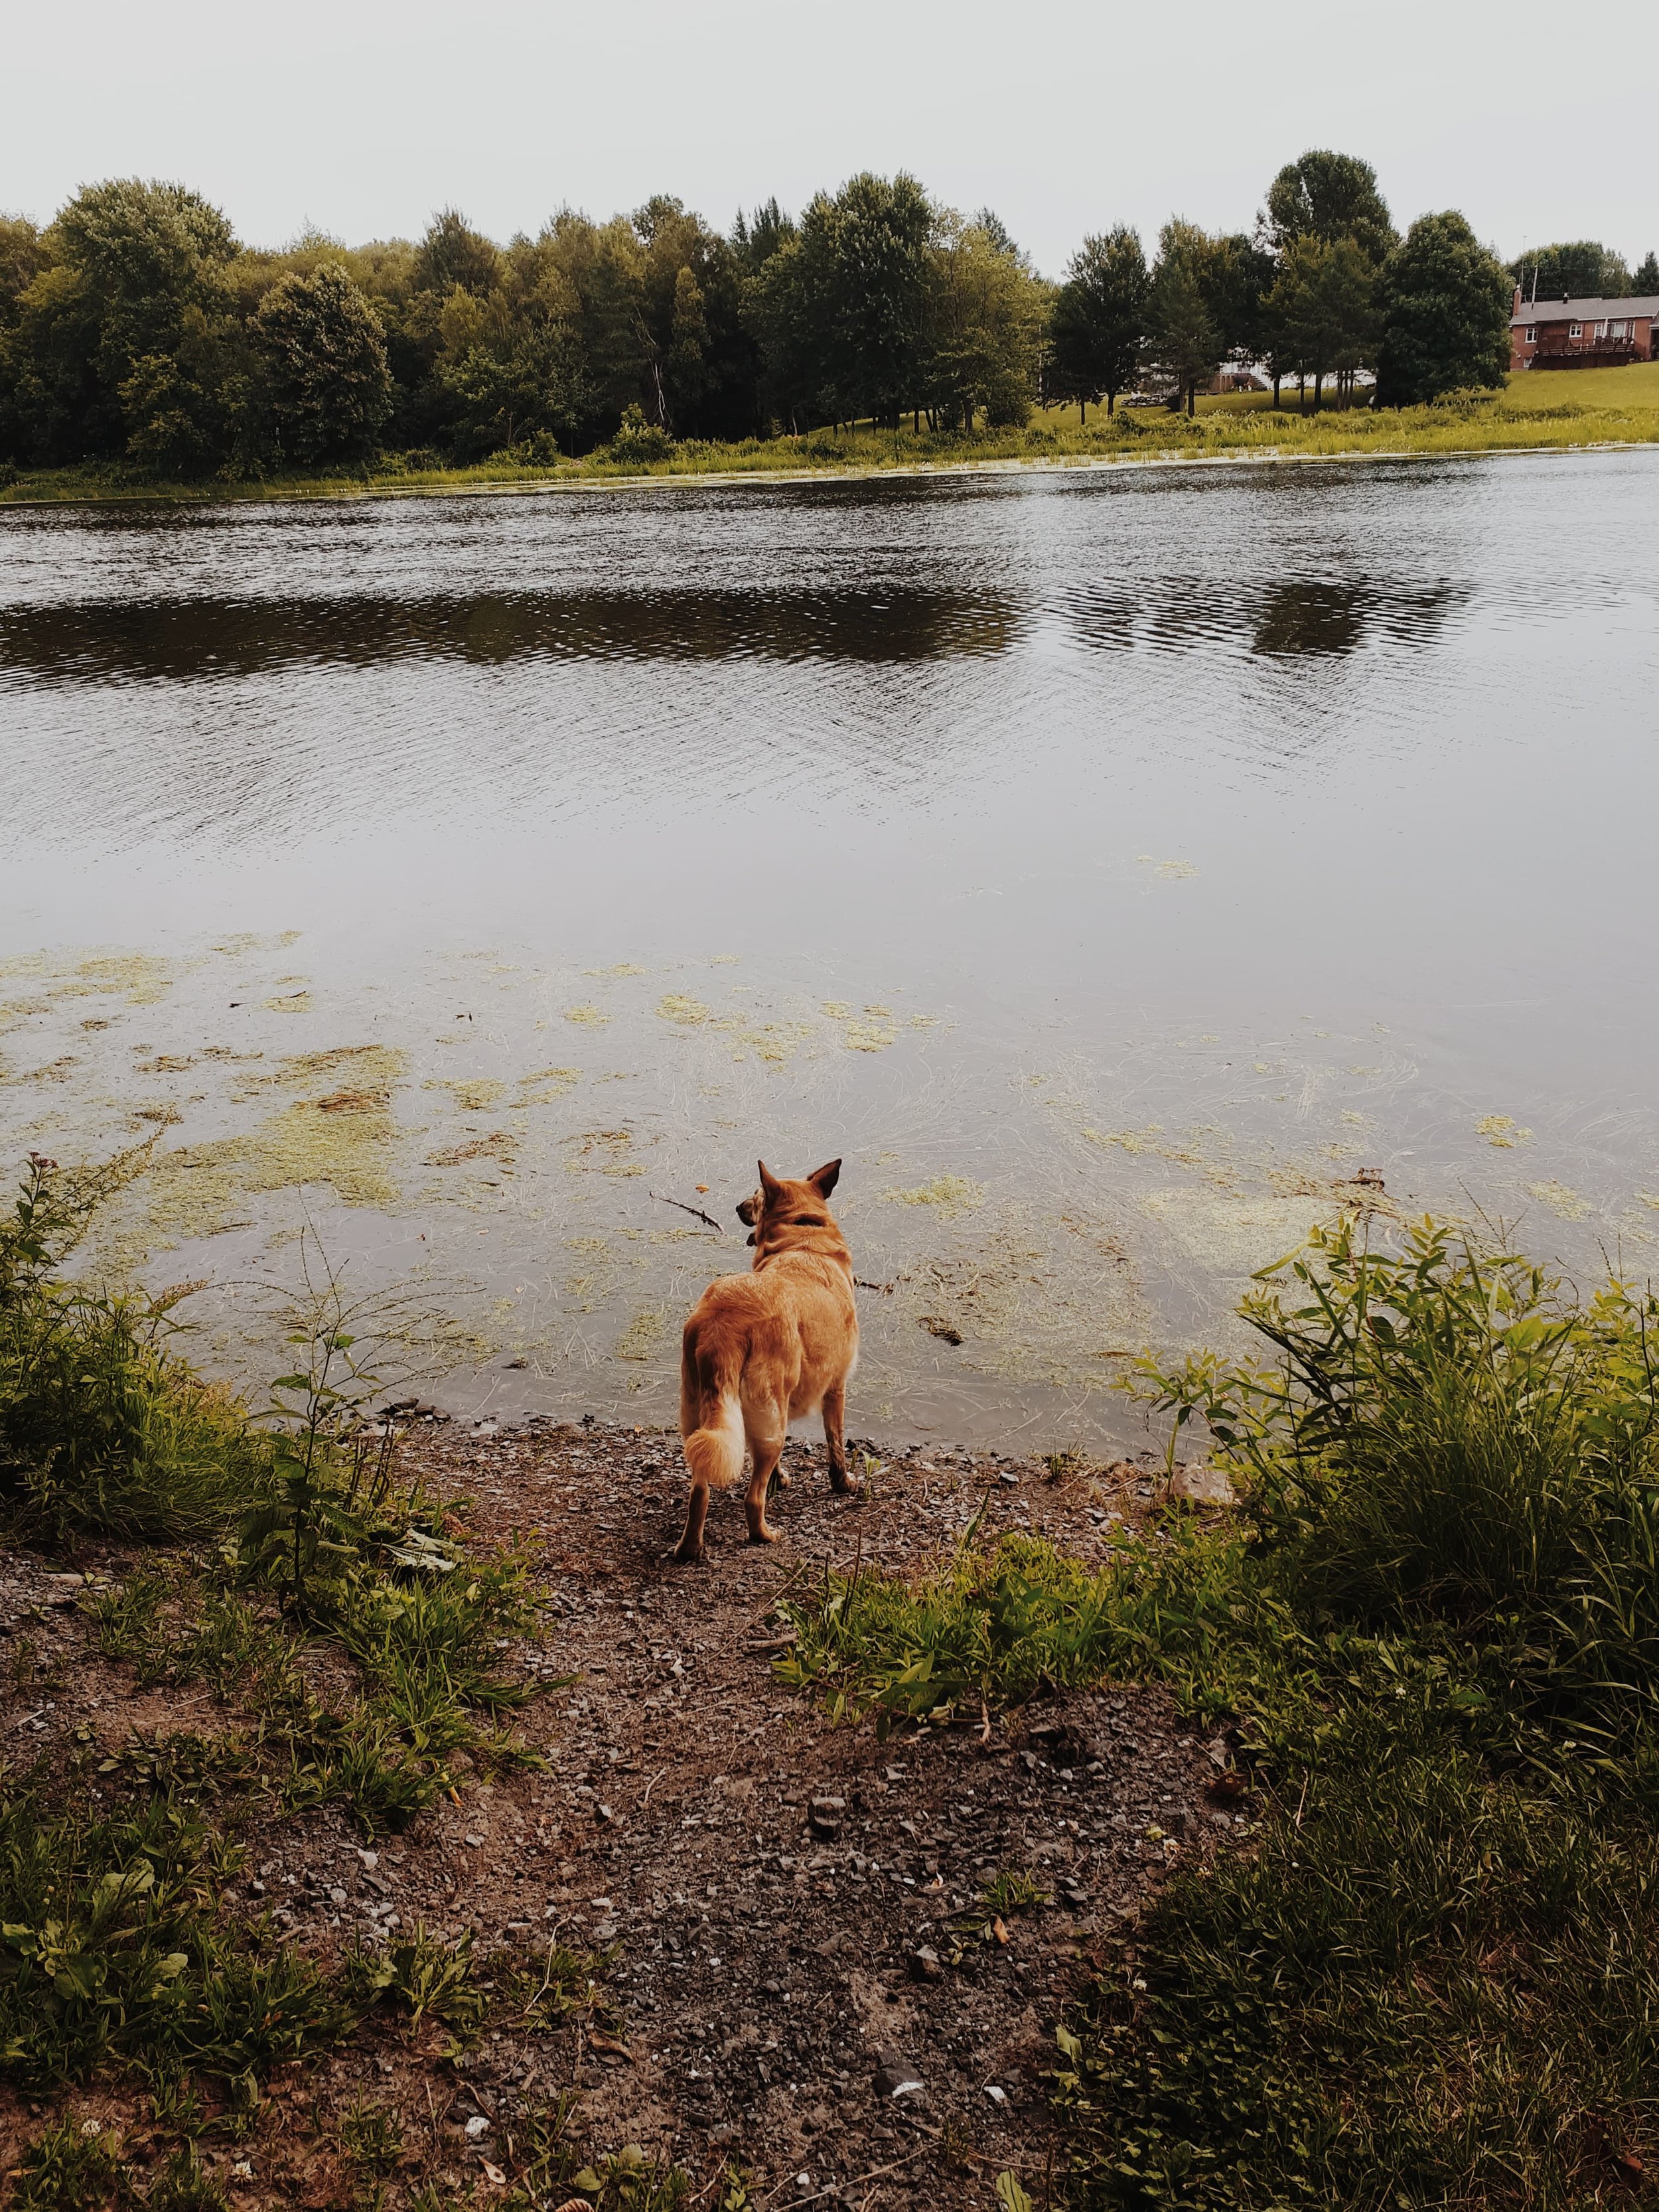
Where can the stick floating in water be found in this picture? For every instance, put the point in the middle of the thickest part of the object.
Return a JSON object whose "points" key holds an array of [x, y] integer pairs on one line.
{"points": [[684, 1208]]}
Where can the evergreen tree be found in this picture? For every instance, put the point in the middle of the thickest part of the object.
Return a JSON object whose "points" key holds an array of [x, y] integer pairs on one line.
{"points": [[1645, 281], [1101, 320], [1443, 306], [452, 253], [1187, 340], [1321, 312]]}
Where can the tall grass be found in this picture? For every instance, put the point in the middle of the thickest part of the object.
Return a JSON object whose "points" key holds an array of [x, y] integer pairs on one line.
{"points": [[1549, 418], [1429, 1974], [103, 1429]]}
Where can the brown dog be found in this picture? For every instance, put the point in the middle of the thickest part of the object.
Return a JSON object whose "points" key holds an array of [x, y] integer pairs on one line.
{"points": [[763, 1349]]}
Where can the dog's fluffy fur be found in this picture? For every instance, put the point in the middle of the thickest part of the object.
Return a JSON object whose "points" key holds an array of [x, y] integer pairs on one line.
{"points": [[763, 1349]]}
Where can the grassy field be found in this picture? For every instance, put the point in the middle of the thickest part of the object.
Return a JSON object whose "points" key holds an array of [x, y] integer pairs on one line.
{"points": [[1596, 407]]}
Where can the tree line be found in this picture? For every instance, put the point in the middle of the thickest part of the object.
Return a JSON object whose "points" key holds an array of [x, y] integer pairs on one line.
{"points": [[136, 330]]}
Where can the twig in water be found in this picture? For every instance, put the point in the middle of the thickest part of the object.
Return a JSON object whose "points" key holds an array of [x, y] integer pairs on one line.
{"points": [[696, 1209]]}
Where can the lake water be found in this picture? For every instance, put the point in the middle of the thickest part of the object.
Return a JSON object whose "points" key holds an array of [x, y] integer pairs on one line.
{"points": [[1108, 866]]}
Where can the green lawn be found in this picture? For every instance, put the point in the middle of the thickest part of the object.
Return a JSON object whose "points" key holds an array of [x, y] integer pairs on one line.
{"points": [[1556, 410]]}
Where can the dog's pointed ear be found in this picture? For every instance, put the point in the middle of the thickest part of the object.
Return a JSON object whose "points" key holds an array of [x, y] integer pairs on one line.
{"points": [[770, 1184], [824, 1179]]}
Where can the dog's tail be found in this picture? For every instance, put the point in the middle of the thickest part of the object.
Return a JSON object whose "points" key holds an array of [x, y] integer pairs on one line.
{"points": [[715, 1449]]}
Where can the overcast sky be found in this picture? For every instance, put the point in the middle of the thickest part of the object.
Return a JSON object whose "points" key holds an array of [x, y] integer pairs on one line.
{"points": [[363, 116]]}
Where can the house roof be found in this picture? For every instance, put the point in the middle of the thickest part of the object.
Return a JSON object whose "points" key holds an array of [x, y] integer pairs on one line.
{"points": [[1585, 310]]}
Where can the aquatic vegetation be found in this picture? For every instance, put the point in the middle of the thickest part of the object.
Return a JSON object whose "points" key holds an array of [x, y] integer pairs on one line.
{"points": [[475, 1095], [586, 1017], [689, 1012], [1565, 1203], [1502, 1130], [949, 1195]]}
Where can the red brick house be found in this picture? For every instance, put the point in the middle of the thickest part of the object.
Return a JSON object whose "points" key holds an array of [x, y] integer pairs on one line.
{"points": [[1582, 333]]}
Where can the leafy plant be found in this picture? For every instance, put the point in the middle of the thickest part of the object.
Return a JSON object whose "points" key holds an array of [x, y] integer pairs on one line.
{"points": [[371, 2136], [423, 1974], [561, 1983], [103, 1429], [72, 2165], [113, 1947]]}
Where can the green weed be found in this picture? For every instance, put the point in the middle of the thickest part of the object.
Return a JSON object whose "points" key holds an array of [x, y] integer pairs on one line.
{"points": [[371, 2136], [563, 1981], [423, 1975], [103, 1429], [73, 2166], [112, 1948], [1432, 1977]]}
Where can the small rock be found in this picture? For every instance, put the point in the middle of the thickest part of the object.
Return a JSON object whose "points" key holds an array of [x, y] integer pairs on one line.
{"points": [[997, 2096], [896, 2077], [472, 1842], [338, 1896], [477, 2127], [924, 1965], [824, 1814]]}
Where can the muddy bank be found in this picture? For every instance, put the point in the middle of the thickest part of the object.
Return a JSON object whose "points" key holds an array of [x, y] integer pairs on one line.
{"points": [[800, 1976]]}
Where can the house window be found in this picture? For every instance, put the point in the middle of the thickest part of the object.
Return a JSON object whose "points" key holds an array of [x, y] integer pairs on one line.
{"points": [[1618, 330], [1575, 329], [1600, 330], [1532, 334]]}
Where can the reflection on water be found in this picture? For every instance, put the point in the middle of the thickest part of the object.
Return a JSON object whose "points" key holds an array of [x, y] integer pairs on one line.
{"points": [[1108, 867], [1253, 615], [213, 640]]}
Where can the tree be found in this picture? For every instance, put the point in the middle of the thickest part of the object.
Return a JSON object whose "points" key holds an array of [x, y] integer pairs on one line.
{"points": [[1583, 270], [136, 273], [982, 327], [321, 354], [1328, 196], [756, 237], [842, 304], [1102, 317], [452, 253], [1187, 340], [1321, 315], [1644, 283], [23, 255], [1443, 307]]}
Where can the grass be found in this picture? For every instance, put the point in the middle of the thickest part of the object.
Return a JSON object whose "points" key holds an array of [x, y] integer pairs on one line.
{"points": [[1428, 1974], [1534, 412], [288, 1552], [103, 1429]]}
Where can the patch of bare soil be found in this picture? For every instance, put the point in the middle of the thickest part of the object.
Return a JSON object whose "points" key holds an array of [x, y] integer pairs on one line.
{"points": [[801, 1979]]}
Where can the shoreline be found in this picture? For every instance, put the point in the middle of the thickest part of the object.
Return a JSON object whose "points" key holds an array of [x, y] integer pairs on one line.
{"points": [[509, 486]]}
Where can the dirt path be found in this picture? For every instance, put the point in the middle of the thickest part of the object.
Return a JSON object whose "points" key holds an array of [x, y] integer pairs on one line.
{"points": [[783, 1986]]}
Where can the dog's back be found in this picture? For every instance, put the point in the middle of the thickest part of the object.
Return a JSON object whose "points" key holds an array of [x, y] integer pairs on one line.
{"points": [[763, 1349]]}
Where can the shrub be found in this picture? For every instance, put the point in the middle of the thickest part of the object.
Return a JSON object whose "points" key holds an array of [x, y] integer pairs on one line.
{"points": [[637, 443], [103, 1429]]}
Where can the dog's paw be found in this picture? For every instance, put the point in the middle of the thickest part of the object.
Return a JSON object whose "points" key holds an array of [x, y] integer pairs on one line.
{"points": [[762, 1535], [683, 1558]]}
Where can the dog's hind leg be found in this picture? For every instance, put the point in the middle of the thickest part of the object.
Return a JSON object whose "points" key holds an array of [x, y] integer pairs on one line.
{"points": [[697, 1512], [767, 1450], [834, 1412]]}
